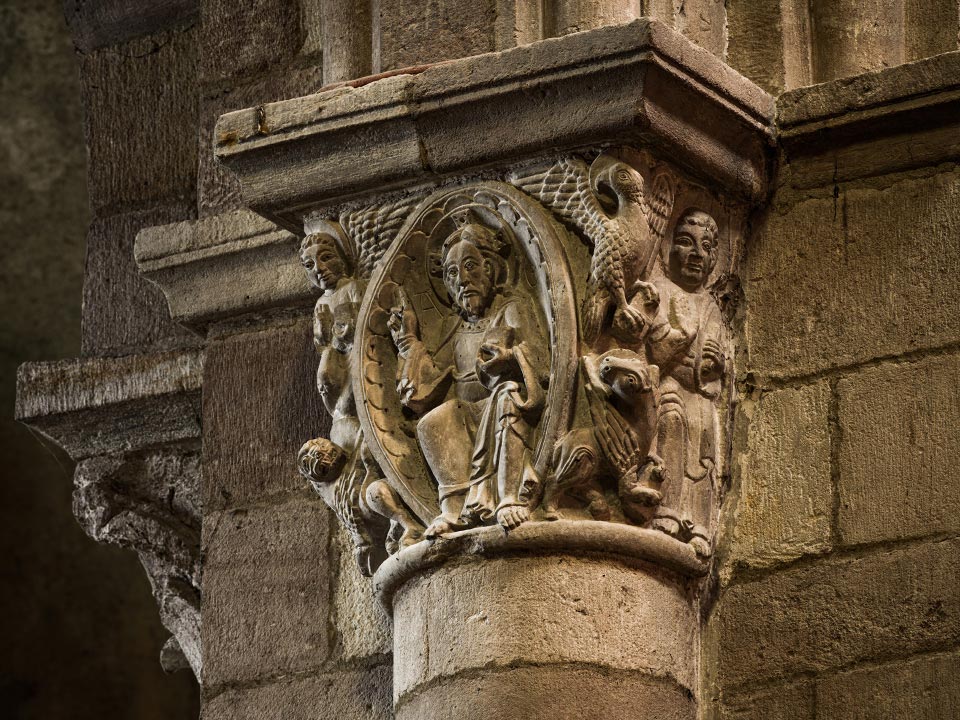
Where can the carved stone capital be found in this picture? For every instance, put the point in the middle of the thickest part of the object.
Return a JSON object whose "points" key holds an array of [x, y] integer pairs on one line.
{"points": [[132, 424], [526, 275]]}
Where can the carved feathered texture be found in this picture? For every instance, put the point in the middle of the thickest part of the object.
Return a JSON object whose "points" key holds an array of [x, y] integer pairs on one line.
{"points": [[347, 493], [570, 189], [565, 189], [372, 229]]}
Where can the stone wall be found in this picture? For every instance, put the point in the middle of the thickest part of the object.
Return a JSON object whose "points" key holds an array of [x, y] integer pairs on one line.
{"points": [[837, 594], [839, 296], [81, 630]]}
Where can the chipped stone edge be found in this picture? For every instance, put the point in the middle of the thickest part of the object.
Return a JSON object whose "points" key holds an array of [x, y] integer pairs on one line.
{"points": [[560, 537], [222, 266], [275, 149], [923, 83]]}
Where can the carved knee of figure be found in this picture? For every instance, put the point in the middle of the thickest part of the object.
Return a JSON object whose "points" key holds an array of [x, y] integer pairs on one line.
{"points": [[446, 443], [672, 449], [383, 500], [449, 520]]}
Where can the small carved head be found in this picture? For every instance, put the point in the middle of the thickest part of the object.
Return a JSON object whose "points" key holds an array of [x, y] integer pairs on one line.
{"points": [[323, 260], [628, 374], [693, 249], [473, 268], [320, 460], [610, 174], [342, 328]]}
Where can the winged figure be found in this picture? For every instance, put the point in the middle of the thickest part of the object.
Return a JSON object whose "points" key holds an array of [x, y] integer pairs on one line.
{"points": [[608, 202], [372, 229]]}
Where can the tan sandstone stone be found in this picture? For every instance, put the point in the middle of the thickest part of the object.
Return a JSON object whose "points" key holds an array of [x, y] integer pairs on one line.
{"points": [[504, 611], [871, 273], [785, 499], [899, 450], [259, 402], [890, 603], [925, 688], [356, 694], [265, 591], [784, 702]]}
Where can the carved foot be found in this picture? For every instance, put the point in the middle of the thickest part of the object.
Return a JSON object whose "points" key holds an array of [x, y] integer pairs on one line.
{"points": [[666, 525], [401, 536], [512, 516], [701, 546], [598, 506], [443, 525]]}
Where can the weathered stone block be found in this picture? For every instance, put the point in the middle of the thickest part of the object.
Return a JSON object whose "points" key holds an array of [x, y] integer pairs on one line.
{"points": [[140, 103], [265, 591], [784, 702], [703, 22], [217, 187], [259, 406], [122, 312], [834, 613], [930, 28], [558, 693], [926, 688], [786, 497], [226, 265], [347, 695], [769, 42], [855, 36], [463, 617], [99, 406], [108, 22], [412, 32], [899, 450], [836, 281], [245, 38], [363, 628]]}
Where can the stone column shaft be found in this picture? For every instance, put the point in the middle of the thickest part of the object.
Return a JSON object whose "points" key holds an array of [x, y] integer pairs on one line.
{"points": [[347, 40], [570, 16], [855, 36]]}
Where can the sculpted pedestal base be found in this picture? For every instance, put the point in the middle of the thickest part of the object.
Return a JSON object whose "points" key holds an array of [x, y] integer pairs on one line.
{"points": [[567, 619]]}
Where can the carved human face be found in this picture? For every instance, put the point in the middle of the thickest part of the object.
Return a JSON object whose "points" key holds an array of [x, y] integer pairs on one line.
{"points": [[323, 262], [320, 460], [469, 278], [344, 320], [693, 252]]}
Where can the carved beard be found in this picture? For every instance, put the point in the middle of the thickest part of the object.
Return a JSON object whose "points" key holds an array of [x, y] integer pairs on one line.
{"points": [[473, 304]]}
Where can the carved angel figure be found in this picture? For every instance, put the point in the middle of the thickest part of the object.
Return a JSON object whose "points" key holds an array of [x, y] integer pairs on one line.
{"points": [[340, 468], [609, 204], [477, 443], [688, 344]]}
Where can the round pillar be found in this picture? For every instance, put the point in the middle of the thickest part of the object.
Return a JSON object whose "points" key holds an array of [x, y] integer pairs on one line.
{"points": [[570, 16], [567, 619]]}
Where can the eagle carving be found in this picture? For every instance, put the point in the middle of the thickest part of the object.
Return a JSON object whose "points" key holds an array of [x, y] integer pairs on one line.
{"points": [[609, 203]]}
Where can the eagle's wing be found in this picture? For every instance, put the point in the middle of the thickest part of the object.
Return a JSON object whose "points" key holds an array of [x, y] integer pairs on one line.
{"points": [[372, 229], [565, 189]]}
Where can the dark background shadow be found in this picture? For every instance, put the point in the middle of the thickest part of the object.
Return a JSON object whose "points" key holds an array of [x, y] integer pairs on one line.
{"points": [[81, 633]]}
